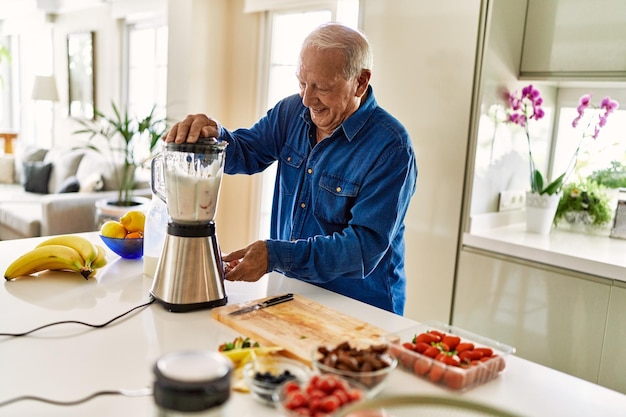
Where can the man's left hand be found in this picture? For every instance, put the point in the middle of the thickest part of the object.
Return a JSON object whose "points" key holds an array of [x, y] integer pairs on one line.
{"points": [[247, 264]]}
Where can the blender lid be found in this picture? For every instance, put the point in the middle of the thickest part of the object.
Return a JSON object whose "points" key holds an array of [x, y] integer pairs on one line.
{"points": [[203, 145]]}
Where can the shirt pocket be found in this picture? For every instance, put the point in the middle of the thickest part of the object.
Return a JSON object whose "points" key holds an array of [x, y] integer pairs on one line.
{"points": [[291, 163], [335, 199]]}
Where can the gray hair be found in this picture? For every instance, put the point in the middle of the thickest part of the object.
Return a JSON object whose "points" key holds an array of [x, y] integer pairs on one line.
{"points": [[354, 44]]}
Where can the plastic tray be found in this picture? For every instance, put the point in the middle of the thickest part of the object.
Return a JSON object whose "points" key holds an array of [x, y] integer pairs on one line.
{"points": [[458, 378]]}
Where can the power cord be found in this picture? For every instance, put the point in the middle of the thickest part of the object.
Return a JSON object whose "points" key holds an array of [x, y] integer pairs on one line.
{"points": [[124, 392], [152, 300]]}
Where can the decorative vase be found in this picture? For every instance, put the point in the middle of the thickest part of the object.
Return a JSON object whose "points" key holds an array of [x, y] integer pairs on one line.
{"points": [[107, 209], [540, 211]]}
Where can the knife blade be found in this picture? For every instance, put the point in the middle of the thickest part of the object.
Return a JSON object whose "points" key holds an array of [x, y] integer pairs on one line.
{"points": [[264, 304]]}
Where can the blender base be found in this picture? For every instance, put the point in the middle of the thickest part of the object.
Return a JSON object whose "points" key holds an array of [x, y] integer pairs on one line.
{"points": [[189, 274], [182, 308]]}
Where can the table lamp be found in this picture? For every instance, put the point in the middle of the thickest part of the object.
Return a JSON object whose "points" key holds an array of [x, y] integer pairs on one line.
{"points": [[45, 89]]}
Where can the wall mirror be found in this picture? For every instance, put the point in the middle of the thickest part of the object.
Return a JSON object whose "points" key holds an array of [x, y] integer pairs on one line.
{"points": [[80, 53]]}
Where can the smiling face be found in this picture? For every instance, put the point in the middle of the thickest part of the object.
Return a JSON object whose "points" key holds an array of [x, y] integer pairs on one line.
{"points": [[325, 91]]}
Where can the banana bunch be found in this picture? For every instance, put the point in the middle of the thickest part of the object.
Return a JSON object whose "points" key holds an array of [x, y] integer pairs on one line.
{"points": [[60, 253]]}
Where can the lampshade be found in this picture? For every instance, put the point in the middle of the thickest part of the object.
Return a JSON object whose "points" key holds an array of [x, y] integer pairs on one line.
{"points": [[45, 88]]}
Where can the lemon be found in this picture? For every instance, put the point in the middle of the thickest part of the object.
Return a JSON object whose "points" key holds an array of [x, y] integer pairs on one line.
{"points": [[240, 357], [113, 229], [133, 220]]}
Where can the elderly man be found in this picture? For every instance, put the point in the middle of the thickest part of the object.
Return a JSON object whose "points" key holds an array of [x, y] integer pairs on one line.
{"points": [[346, 173]]}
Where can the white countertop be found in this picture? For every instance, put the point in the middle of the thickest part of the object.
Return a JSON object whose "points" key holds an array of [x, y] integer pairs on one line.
{"points": [[601, 256], [68, 362]]}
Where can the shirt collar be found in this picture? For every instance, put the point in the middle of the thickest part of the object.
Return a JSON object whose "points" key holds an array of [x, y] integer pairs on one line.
{"points": [[357, 120]]}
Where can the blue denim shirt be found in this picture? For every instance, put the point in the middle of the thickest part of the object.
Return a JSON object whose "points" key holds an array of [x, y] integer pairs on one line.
{"points": [[339, 206]]}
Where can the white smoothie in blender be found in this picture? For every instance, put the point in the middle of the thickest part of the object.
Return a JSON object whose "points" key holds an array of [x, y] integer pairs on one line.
{"points": [[190, 198]]}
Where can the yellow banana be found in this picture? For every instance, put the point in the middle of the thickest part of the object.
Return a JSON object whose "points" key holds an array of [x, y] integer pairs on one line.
{"points": [[101, 259], [83, 246], [53, 257]]}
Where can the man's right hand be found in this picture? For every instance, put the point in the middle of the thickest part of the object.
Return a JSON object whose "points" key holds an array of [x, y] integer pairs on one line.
{"points": [[193, 127]]}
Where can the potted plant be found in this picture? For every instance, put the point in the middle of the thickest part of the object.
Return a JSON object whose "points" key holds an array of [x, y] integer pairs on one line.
{"points": [[543, 198], [611, 177], [123, 136], [584, 205]]}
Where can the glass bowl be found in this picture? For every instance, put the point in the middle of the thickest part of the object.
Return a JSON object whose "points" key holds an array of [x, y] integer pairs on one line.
{"points": [[265, 374], [321, 395], [126, 248], [365, 362]]}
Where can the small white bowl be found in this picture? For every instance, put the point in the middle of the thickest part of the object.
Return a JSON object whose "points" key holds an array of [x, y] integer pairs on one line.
{"points": [[265, 374]]}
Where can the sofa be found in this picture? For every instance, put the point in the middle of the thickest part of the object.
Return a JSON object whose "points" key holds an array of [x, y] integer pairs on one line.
{"points": [[49, 192]]}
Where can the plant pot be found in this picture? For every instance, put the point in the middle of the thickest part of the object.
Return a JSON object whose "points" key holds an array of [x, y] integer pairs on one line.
{"points": [[540, 211], [108, 209]]}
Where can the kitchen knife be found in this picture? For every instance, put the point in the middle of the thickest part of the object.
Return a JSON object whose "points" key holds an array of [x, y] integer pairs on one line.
{"points": [[267, 303]]}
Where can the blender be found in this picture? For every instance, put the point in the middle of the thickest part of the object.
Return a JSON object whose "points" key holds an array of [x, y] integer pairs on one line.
{"points": [[190, 274]]}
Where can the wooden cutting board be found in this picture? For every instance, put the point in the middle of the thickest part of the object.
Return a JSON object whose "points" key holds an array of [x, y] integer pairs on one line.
{"points": [[299, 326]]}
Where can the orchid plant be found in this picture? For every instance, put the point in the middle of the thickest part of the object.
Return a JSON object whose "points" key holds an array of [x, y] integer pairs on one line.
{"points": [[527, 106]]}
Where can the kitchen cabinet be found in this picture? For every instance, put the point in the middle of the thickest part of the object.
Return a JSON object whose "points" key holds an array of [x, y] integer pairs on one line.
{"points": [[552, 316], [612, 365], [575, 38]]}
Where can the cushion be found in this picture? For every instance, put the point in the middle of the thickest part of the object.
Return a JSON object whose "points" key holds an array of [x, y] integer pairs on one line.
{"points": [[70, 185], [26, 153], [96, 162], [93, 182], [64, 165], [35, 176], [7, 171]]}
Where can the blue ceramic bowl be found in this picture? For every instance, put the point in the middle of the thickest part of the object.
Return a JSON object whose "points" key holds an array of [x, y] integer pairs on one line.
{"points": [[126, 248]]}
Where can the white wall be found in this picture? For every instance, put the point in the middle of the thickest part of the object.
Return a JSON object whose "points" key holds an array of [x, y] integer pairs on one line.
{"points": [[212, 70], [423, 73]]}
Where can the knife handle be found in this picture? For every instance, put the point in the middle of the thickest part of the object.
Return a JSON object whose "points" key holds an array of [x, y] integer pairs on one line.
{"points": [[278, 300]]}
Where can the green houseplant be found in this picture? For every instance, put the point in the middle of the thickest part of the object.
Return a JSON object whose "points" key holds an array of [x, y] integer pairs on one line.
{"points": [[584, 203], [611, 177], [123, 136]]}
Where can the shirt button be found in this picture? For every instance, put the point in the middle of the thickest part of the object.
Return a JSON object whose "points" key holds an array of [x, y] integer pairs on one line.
{"points": [[338, 189], [288, 159], [310, 171], [302, 205]]}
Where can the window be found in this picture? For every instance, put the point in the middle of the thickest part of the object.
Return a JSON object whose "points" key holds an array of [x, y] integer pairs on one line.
{"points": [[147, 71], [594, 154], [147, 68], [287, 31], [9, 99]]}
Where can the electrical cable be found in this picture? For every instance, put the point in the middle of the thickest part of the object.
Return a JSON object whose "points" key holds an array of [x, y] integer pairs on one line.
{"points": [[124, 392], [152, 300]]}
